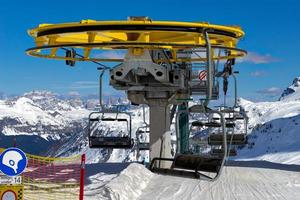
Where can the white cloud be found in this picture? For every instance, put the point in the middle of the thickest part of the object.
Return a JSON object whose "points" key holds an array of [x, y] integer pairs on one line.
{"points": [[84, 85], [73, 93], [258, 73], [115, 54], [78, 85], [257, 58], [272, 91]]}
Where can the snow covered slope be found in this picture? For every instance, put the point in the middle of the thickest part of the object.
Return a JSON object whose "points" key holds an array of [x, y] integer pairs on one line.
{"points": [[260, 181], [274, 128], [129, 184], [45, 124], [33, 112], [78, 143], [38, 120]]}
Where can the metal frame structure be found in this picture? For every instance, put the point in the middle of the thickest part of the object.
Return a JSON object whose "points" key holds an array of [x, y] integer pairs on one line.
{"points": [[148, 34], [200, 162], [145, 129], [233, 139], [142, 146], [156, 70], [116, 142]]}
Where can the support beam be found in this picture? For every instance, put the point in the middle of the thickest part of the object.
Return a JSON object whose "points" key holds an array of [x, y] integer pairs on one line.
{"points": [[160, 138], [183, 128]]}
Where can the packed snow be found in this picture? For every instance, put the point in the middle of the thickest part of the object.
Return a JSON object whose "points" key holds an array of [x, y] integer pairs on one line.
{"points": [[257, 181], [274, 129]]}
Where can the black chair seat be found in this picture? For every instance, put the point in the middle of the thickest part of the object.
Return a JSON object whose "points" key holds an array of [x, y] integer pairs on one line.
{"points": [[94, 119], [143, 146], [207, 124], [197, 163], [237, 139], [220, 152], [230, 125], [114, 119], [176, 172], [197, 123], [188, 166], [143, 131], [110, 142]]}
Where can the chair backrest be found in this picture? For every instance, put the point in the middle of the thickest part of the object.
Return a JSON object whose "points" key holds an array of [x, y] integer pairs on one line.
{"points": [[100, 117]]}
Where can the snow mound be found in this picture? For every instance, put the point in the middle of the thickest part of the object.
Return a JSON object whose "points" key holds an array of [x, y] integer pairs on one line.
{"points": [[129, 184]]}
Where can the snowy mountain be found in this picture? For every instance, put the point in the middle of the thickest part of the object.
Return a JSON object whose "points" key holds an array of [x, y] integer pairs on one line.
{"points": [[274, 128], [78, 142], [273, 136], [36, 121], [292, 92], [43, 123]]}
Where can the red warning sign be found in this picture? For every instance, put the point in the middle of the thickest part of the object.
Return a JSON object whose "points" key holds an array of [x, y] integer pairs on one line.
{"points": [[202, 75]]}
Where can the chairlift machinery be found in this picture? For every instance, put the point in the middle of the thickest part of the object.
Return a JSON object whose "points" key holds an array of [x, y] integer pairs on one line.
{"points": [[161, 67]]}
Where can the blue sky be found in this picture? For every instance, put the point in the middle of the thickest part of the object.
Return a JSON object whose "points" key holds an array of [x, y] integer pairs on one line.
{"points": [[272, 40]]}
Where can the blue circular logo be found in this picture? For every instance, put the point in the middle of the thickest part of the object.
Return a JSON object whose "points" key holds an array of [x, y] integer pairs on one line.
{"points": [[13, 161]]}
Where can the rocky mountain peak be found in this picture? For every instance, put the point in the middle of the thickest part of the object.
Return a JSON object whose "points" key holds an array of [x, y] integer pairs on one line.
{"points": [[292, 92]]}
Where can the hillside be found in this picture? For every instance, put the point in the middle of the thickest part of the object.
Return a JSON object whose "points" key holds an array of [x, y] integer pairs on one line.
{"points": [[274, 128], [45, 124]]}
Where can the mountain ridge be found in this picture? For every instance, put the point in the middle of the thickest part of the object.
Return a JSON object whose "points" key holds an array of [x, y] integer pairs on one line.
{"points": [[59, 127]]}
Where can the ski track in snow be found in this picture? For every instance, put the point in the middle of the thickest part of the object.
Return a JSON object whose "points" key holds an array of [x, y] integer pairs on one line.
{"points": [[239, 183], [235, 183]]}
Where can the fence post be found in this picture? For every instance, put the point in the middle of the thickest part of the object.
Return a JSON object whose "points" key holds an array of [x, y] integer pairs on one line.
{"points": [[82, 171]]}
